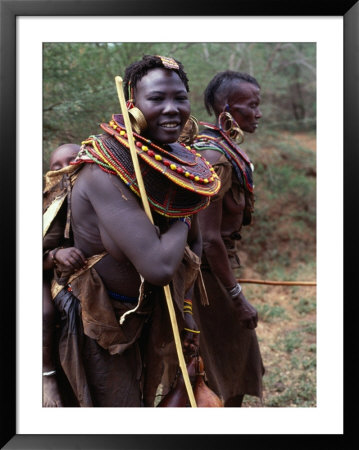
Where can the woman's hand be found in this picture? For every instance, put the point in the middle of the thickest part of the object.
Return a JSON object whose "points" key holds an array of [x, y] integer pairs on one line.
{"points": [[69, 259], [246, 312]]}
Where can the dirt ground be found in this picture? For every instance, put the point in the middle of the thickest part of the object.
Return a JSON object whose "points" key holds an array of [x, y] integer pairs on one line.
{"points": [[287, 335]]}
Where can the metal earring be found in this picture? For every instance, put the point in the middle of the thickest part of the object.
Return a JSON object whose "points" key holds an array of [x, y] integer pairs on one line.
{"points": [[230, 127], [138, 121], [189, 132]]}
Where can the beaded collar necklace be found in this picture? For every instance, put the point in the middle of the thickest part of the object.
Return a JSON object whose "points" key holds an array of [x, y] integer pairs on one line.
{"points": [[182, 163], [178, 182], [184, 157], [240, 161]]}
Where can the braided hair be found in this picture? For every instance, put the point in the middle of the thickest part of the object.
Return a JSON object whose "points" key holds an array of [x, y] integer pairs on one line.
{"points": [[220, 86], [137, 70]]}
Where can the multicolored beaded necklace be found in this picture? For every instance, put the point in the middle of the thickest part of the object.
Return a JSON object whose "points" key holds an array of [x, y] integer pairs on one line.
{"points": [[175, 166], [179, 165], [188, 157], [240, 161]]}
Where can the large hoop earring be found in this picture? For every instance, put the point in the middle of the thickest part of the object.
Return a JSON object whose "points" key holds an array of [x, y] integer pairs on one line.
{"points": [[230, 127], [138, 121], [189, 132]]}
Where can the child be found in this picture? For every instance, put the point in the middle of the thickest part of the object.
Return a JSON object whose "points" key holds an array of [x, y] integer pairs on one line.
{"points": [[70, 259]]}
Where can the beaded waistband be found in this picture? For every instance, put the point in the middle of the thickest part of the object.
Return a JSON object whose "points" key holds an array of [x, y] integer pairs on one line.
{"points": [[122, 298]]}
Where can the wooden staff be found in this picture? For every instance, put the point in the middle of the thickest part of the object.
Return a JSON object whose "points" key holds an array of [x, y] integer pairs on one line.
{"points": [[147, 209]]}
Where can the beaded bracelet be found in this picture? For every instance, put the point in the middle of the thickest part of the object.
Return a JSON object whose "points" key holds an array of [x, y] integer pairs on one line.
{"points": [[235, 291], [187, 220]]}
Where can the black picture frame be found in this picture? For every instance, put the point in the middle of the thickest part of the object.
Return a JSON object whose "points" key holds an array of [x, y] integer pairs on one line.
{"points": [[9, 10]]}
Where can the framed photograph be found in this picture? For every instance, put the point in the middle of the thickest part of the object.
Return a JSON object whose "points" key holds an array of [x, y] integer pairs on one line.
{"points": [[25, 27]]}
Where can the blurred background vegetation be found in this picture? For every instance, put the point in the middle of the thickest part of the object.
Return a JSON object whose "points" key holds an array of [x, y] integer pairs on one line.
{"points": [[79, 92], [79, 87]]}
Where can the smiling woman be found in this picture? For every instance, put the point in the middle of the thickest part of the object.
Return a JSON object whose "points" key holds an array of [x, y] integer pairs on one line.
{"points": [[163, 99], [110, 305], [161, 95]]}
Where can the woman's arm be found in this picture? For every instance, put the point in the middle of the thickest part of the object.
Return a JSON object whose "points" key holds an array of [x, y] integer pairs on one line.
{"points": [[125, 229]]}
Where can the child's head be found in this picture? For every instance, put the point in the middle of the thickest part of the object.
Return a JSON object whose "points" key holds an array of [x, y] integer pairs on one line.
{"points": [[62, 156]]}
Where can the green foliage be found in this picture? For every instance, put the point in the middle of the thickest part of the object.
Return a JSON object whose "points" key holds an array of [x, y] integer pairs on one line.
{"points": [[305, 305], [283, 232], [300, 394], [79, 89], [269, 313], [287, 176], [309, 327], [291, 341]]}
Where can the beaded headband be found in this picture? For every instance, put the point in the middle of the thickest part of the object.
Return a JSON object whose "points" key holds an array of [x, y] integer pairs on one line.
{"points": [[168, 62]]}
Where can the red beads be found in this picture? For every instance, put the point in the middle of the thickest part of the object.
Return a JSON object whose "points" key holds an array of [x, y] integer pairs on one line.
{"points": [[167, 163]]}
